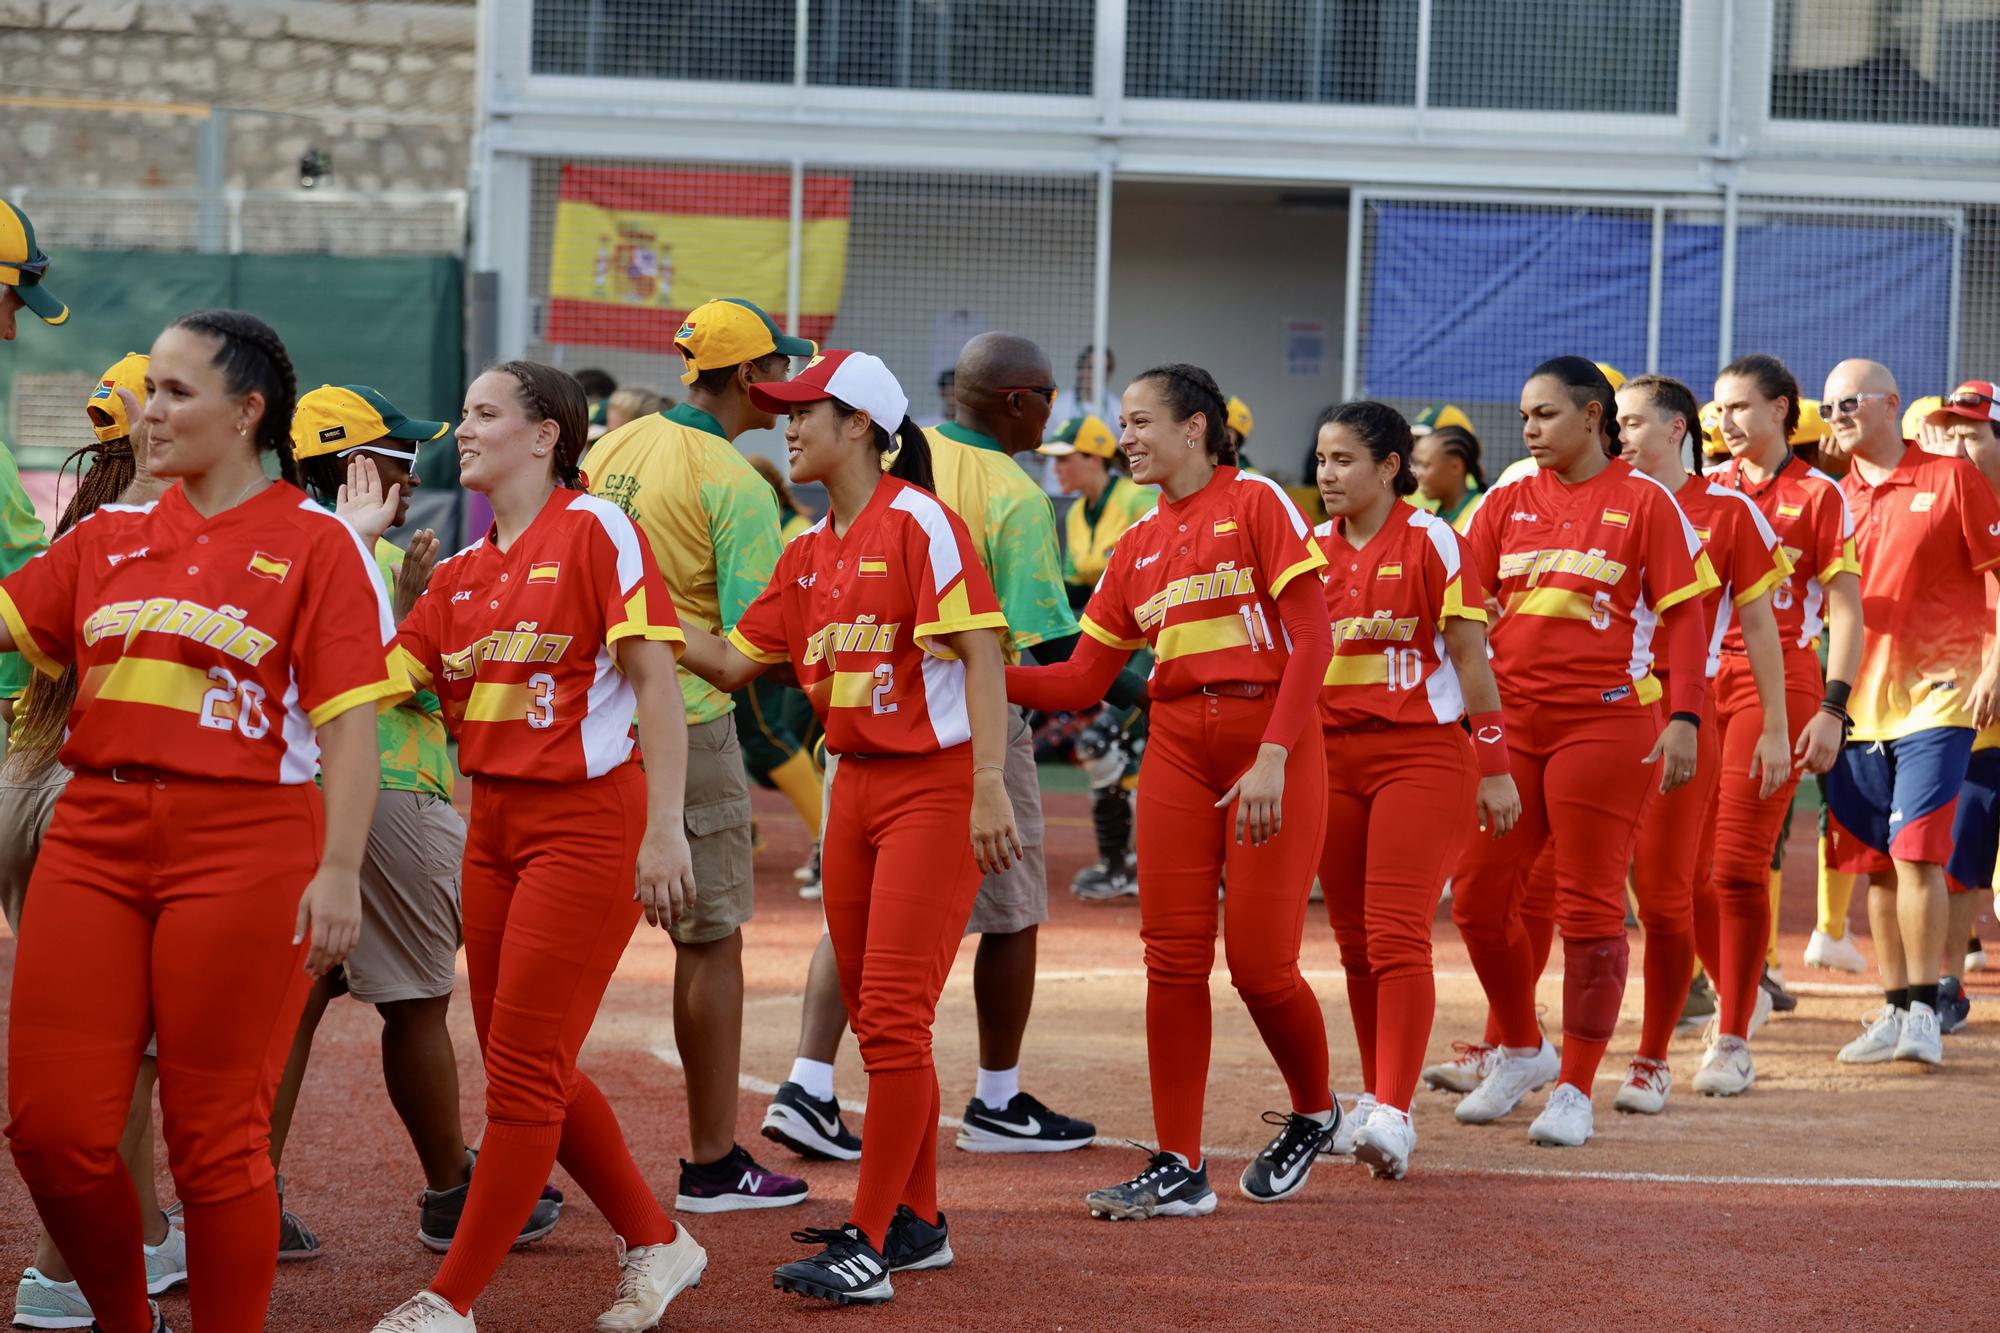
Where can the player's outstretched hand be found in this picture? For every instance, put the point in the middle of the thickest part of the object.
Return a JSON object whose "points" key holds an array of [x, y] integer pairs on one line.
{"points": [[1499, 805], [415, 574], [1770, 764], [664, 877], [1260, 797], [1675, 753], [330, 911], [996, 843], [1819, 742], [368, 509]]}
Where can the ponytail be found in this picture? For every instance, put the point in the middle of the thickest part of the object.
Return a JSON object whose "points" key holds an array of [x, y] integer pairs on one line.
{"points": [[1586, 384], [253, 359], [1190, 389], [913, 455]]}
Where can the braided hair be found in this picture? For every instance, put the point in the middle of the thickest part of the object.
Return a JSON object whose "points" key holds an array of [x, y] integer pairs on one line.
{"points": [[1463, 445], [253, 359], [1586, 384], [1190, 389], [549, 394]]}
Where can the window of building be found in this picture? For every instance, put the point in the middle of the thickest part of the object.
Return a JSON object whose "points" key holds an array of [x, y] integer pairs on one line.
{"points": [[1557, 55], [1908, 62], [1347, 52]]}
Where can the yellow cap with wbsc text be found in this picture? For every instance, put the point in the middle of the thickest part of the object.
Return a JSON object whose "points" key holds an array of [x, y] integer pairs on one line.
{"points": [[105, 408], [729, 332]]}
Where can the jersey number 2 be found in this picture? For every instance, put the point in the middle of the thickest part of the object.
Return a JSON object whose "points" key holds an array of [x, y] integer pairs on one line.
{"points": [[231, 703], [885, 685]]}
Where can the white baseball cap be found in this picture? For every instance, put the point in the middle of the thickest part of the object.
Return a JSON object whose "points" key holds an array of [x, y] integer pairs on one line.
{"points": [[855, 378]]}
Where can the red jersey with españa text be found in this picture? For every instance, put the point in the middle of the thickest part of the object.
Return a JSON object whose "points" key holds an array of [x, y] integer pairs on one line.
{"points": [[1389, 600], [862, 617], [1927, 533], [520, 645], [1742, 548], [211, 647], [1582, 574], [1803, 506], [1198, 580]]}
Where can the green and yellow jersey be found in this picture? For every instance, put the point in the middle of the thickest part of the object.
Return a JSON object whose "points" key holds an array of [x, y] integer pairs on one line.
{"points": [[1013, 528], [1093, 528], [411, 735], [22, 538]]}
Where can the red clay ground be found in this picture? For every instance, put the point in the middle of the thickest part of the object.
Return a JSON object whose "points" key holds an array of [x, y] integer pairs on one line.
{"points": [[1719, 1214]]}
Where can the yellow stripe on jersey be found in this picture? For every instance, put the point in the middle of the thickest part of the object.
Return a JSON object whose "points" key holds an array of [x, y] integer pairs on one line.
{"points": [[754, 653], [1317, 560], [24, 642], [852, 689], [1202, 636], [929, 633], [1847, 562], [1554, 603], [636, 625], [383, 693], [1106, 637], [1778, 574], [491, 701], [147, 680], [419, 674], [1648, 688], [1455, 607], [1704, 580], [1367, 669]]}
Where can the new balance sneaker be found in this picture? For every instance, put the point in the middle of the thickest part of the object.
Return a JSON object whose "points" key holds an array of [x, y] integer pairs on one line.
{"points": [[1648, 1084], [1880, 1032], [438, 1212], [1773, 982], [1920, 1039], [1348, 1125], [1470, 1062], [167, 1262], [650, 1276], [1281, 1170], [1512, 1078], [425, 1312], [1022, 1125], [1385, 1142], [847, 1271], [736, 1182], [1566, 1122], [1954, 1006], [296, 1241], [810, 1126], [42, 1302], [1726, 1070], [1698, 1008], [1835, 955], [1760, 1014], [1168, 1187], [914, 1244]]}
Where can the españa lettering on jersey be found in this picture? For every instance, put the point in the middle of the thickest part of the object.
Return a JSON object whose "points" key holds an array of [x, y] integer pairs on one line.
{"points": [[527, 668], [191, 655], [869, 648], [1389, 600], [1803, 506]]}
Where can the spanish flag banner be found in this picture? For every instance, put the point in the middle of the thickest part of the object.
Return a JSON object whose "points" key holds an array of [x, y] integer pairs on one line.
{"points": [[637, 248]]}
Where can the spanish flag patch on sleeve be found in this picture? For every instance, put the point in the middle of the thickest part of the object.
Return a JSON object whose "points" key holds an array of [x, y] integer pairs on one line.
{"points": [[544, 572], [269, 567]]}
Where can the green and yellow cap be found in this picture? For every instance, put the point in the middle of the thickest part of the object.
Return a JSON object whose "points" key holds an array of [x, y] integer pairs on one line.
{"points": [[1438, 416], [23, 265], [1081, 435], [105, 408], [340, 419], [729, 332], [1239, 418]]}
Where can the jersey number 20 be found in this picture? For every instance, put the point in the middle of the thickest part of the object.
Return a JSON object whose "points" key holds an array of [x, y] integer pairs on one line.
{"points": [[233, 704]]}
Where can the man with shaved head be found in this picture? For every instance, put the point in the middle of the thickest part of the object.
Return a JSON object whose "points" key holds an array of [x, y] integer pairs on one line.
{"points": [[1004, 387], [1928, 531]]}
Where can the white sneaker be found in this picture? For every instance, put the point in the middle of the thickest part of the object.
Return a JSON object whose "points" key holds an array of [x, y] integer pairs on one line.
{"points": [[1512, 1078], [425, 1312], [1350, 1125], [1835, 955], [167, 1262], [1880, 1033], [42, 1302], [1920, 1039], [1471, 1061], [1760, 1013], [1648, 1083], [1566, 1122], [1975, 957], [1384, 1143], [1727, 1070], [648, 1278]]}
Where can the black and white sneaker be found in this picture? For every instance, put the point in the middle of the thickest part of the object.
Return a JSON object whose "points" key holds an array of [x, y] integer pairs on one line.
{"points": [[1168, 1187], [1022, 1125], [913, 1244], [1280, 1171], [848, 1271], [809, 1126]]}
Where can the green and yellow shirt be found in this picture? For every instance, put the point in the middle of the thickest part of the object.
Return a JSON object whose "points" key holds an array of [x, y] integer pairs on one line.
{"points": [[1094, 528], [22, 538], [411, 735]]}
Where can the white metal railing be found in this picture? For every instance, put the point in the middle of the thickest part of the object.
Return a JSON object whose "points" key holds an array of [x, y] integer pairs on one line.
{"points": [[242, 221]]}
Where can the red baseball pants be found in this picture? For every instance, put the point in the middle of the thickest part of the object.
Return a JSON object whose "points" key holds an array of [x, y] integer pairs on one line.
{"points": [[1676, 842]]}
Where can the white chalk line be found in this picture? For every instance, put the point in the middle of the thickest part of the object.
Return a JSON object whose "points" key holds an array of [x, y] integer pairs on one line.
{"points": [[671, 1057], [1818, 989]]}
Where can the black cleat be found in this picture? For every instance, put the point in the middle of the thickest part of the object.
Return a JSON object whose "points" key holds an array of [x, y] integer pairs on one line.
{"points": [[848, 1271], [914, 1244]]}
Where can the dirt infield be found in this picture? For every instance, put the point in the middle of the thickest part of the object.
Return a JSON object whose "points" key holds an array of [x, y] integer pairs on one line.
{"points": [[1804, 1203]]}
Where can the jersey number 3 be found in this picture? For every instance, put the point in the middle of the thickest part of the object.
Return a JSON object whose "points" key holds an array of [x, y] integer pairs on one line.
{"points": [[541, 700]]}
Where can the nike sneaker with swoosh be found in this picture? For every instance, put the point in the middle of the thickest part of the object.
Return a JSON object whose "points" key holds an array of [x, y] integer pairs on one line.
{"points": [[848, 1271], [913, 1244], [810, 1126], [1168, 1187], [1022, 1125], [736, 1182], [1281, 1170]]}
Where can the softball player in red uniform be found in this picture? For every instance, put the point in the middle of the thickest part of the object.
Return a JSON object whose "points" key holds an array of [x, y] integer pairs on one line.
{"points": [[542, 640], [225, 637], [890, 624], [1222, 582], [1758, 409], [1591, 563], [1409, 660], [1670, 871]]}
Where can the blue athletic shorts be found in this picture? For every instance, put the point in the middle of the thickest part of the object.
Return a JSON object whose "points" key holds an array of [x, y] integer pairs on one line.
{"points": [[1896, 800], [1975, 833]]}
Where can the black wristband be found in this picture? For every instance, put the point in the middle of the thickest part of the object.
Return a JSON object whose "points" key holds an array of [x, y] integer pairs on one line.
{"points": [[1832, 709], [1683, 715], [1837, 692]]}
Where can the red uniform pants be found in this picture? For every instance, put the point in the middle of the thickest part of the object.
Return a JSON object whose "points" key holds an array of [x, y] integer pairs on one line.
{"points": [[1538, 922], [549, 907], [1733, 912], [1676, 842], [1397, 807], [1198, 747], [1583, 782], [899, 876], [165, 905]]}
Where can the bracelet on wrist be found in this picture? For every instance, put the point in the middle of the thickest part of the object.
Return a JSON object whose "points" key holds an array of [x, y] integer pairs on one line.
{"points": [[1693, 719], [1837, 692]]}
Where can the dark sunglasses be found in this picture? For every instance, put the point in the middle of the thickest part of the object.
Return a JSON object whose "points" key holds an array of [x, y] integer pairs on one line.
{"points": [[1047, 391], [1973, 400]]}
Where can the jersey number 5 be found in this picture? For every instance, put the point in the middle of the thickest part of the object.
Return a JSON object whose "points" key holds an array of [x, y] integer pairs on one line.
{"points": [[231, 703]]}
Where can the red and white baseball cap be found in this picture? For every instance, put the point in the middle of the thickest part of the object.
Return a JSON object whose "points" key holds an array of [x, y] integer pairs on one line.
{"points": [[1970, 401], [855, 378]]}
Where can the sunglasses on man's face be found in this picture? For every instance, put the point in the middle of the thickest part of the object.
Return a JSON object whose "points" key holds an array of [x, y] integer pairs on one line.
{"points": [[1846, 407], [1047, 391]]}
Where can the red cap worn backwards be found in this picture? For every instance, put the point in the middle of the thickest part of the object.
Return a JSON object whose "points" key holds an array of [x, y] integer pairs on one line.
{"points": [[855, 378], [1972, 401]]}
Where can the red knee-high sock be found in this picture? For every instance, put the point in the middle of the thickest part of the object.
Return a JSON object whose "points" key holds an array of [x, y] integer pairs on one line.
{"points": [[235, 1241], [900, 1101], [1708, 927], [514, 1164], [1593, 986], [1669, 967], [99, 1234], [1294, 1032], [1746, 934], [1178, 1028], [1404, 1006], [1541, 935], [921, 1193], [593, 1151], [1362, 1000]]}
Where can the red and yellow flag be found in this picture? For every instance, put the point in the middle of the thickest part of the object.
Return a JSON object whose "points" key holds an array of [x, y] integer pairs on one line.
{"points": [[636, 248]]}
